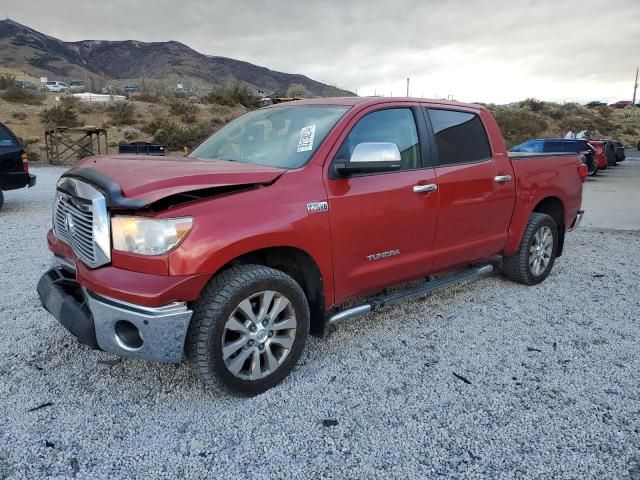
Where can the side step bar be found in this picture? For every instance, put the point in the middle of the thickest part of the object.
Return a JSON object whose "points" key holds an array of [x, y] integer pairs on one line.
{"points": [[418, 291]]}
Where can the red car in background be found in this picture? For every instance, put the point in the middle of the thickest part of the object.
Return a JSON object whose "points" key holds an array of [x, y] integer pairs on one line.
{"points": [[600, 157]]}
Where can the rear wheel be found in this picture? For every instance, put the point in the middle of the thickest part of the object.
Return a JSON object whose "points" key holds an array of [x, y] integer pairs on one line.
{"points": [[248, 329], [1, 199], [533, 261]]}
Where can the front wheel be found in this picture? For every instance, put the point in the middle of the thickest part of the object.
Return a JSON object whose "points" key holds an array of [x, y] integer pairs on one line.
{"points": [[593, 169], [248, 329], [533, 261], [1, 199]]}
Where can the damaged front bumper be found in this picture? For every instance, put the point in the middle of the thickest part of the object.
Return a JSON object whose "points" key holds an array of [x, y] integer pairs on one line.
{"points": [[149, 333]]}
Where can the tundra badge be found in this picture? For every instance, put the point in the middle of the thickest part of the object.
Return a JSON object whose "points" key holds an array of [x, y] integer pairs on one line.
{"points": [[317, 207], [378, 256]]}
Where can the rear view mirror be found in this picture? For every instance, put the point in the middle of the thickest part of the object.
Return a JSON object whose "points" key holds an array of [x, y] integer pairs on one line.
{"points": [[370, 157]]}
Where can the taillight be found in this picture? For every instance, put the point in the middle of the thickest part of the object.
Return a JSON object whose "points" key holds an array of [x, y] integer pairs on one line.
{"points": [[583, 171], [25, 162]]}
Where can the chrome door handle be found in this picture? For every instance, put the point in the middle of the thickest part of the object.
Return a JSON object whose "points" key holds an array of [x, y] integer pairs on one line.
{"points": [[502, 178], [431, 187]]}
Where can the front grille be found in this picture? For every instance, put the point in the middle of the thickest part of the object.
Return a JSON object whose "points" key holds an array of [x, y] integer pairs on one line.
{"points": [[80, 218], [73, 223]]}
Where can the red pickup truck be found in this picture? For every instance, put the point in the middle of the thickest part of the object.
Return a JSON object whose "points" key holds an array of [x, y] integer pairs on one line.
{"points": [[262, 234]]}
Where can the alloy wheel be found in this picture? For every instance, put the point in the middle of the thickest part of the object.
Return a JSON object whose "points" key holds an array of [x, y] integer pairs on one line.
{"points": [[258, 335], [541, 250]]}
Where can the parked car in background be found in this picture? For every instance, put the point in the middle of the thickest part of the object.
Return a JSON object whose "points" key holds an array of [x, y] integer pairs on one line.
{"points": [[55, 86], [596, 104], [129, 90], [14, 165], [562, 145], [233, 262], [620, 153], [599, 156], [26, 85], [622, 104], [77, 86], [609, 152]]}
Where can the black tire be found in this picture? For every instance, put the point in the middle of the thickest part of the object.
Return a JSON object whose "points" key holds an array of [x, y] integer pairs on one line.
{"points": [[517, 267], [1, 199], [593, 170], [217, 302]]}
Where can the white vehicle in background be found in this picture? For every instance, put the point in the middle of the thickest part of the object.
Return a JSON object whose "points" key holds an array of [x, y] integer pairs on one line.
{"points": [[53, 86]]}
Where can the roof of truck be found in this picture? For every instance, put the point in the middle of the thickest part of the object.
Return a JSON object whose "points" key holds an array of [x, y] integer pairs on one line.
{"points": [[365, 101]]}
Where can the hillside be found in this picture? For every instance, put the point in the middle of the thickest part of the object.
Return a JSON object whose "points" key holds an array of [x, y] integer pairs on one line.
{"points": [[25, 49]]}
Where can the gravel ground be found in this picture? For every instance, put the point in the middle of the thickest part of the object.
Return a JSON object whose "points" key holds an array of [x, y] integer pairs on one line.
{"points": [[491, 380]]}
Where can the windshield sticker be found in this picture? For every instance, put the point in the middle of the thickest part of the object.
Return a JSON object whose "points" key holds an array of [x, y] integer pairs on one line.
{"points": [[306, 138]]}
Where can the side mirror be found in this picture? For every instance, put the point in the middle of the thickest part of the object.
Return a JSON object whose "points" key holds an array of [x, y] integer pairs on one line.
{"points": [[370, 157]]}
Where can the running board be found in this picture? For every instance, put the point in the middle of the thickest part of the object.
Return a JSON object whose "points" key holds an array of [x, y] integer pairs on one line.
{"points": [[421, 290]]}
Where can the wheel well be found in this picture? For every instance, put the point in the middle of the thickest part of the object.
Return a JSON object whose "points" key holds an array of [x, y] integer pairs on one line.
{"points": [[302, 268], [553, 207]]}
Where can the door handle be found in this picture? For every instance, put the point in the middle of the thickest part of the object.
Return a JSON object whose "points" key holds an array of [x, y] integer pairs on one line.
{"points": [[431, 187], [502, 178]]}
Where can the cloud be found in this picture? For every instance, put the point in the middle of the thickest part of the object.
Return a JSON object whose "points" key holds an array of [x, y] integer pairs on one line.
{"points": [[475, 50]]}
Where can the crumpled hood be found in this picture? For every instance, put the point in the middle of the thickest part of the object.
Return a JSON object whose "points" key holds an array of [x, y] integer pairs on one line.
{"points": [[142, 180]]}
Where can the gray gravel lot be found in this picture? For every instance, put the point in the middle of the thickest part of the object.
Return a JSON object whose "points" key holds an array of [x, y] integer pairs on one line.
{"points": [[552, 384]]}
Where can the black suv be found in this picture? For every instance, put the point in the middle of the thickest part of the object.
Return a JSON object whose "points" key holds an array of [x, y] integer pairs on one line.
{"points": [[561, 145], [14, 167]]}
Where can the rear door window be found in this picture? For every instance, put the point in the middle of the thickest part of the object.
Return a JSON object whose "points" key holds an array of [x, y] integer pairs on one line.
{"points": [[460, 136]]}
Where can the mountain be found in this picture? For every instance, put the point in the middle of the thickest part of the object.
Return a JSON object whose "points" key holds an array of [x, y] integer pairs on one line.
{"points": [[33, 52]]}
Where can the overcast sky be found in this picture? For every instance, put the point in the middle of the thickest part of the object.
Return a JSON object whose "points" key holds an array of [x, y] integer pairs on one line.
{"points": [[475, 50]]}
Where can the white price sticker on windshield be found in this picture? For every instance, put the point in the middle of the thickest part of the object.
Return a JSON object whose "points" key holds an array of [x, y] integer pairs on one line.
{"points": [[306, 138]]}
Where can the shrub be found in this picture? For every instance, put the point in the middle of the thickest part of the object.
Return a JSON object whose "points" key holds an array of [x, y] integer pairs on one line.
{"points": [[147, 97], [175, 137], [518, 125], [7, 81], [88, 108], [533, 104], [297, 90], [236, 93], [69, 100], [180, 107], [130, 133], [188, 118], [122, 113], [20, 95], [59, 116], [19, 115]]}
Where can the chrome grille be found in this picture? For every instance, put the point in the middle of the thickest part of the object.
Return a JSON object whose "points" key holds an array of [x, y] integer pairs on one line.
{"points": [[81, 219], [73, 223]]}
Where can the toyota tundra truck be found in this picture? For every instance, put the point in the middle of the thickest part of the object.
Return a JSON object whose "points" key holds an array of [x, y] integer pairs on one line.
{"points": [[291, 218]]}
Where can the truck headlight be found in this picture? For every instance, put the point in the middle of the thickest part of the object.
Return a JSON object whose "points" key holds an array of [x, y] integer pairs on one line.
{"points": [[148, 236]]}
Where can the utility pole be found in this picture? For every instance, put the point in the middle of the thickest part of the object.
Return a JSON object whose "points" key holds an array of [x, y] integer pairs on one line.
{"points": [[408, 85], [635, 88]]}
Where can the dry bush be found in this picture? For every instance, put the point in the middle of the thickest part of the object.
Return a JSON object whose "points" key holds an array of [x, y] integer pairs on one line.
{"points": [[175, 137], [7, 81], [19, 115], [234, 93], [297, 90], [180, 107], [122, 113], [518, 124], [20, 95], [59, 116]]}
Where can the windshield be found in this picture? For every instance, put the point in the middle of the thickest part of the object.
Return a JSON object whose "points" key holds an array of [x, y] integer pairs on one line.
{"points": [[284, 137]]}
